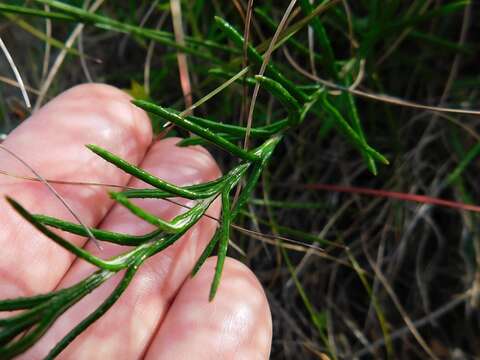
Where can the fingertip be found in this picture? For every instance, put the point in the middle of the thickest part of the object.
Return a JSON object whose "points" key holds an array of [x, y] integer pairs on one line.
{"points": [[116, 105], [236, 324]]}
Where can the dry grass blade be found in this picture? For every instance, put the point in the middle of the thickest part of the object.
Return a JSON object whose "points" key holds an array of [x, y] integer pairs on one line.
{"points": [[266, 60], [417, 323], [48, 33], [246, 36], [54, 192], [61, 182], [305, 260], [383, 98], [215, 92], [124, 187], [176, 9], [398, 305], [291, 245], [16, 84], [61, 57], [401, 37], [3, 47], [149, 56], [83, 61]]}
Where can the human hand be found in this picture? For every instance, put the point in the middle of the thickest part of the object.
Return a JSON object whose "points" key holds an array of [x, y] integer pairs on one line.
{"points": [[164, 314]]}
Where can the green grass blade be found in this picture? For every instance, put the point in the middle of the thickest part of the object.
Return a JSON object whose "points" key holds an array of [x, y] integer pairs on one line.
{"points": [[473, 153], [318, 320], [22, 10], [106, 23]]}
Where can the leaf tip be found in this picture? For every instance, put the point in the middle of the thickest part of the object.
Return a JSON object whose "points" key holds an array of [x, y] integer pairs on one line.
{"points": [[137, 102], [213, 292], [11, 201], [92, 147]]}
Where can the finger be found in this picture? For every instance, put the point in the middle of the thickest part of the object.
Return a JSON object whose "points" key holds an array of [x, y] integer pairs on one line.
{"points": [[52, 142], [235, 325], [127, 328]]}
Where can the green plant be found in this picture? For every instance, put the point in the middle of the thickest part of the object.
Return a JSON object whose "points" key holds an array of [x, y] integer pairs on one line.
{"points": [[303, 103], [41, 311]]}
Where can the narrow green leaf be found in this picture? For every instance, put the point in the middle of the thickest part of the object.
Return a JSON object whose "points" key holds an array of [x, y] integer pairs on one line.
{"points": [[60, 241], [255, 57], [98, 313], [196, 129], [206, 253], [224, 234], [349, 132], [206, 189], [142, 174], [473, 153], [56, 307], [264, 151], [103, 235], [357, 126], [178, 224], [280, 93], [229, 129]]}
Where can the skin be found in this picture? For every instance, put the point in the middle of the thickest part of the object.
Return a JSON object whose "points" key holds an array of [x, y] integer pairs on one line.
{"points": [[164, 314]]}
